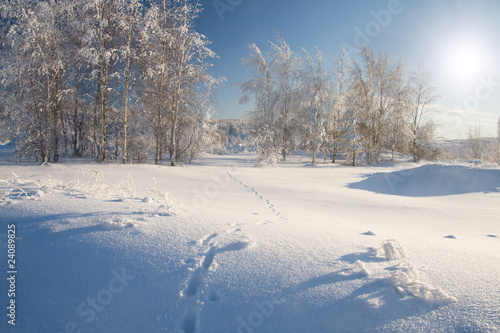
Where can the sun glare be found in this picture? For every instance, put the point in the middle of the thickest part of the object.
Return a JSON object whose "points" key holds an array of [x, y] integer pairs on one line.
{"points": [[465, 60]]}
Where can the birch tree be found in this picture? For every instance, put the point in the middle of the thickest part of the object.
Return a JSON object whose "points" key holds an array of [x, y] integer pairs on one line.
{"points": [[128, 22], [398, 129], [364, 89], [352, 139], [423, 94], [341, 96], [33, 73], [376, 86], [316, 97], [189, 52], [102, 53], [262, 86], [285, 64], [156, 38]]}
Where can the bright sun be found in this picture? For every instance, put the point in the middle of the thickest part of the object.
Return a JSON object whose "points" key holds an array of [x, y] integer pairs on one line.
{"points": [[465, 60]]}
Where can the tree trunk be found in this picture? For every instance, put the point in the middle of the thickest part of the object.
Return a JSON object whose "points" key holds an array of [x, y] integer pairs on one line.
{"points": [[415, 149], [158, 136], [75, 119], [125, 115], [103, 114], [57, 111]]}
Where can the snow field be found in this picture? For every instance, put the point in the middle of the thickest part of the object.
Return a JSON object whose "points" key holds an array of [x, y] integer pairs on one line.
{"points": [[225, 247]]}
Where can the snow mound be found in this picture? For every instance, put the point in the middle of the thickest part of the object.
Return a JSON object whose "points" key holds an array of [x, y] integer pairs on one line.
{"points": [[432, 180], [118, 224], [361, 269], [405, 281], [391, 249]]}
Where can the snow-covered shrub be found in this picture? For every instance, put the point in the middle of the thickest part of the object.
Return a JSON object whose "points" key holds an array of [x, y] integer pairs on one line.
{"points": [[117, 224], [267, 152], [405, 281], [360, 268], [391, 249]]}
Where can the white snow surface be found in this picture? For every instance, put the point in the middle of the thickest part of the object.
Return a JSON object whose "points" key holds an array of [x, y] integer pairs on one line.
{"points": [[222, 246]]}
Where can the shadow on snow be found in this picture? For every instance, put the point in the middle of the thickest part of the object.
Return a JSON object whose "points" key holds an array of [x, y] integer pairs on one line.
{"points": [[432, 180]]}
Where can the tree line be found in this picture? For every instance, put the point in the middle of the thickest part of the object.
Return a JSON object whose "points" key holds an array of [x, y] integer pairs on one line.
{"points": [[111, 79], [355, 107]]}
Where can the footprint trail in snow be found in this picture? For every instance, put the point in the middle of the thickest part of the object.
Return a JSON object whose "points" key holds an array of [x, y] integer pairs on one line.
{"points": [[260, 196], [197, 291]]}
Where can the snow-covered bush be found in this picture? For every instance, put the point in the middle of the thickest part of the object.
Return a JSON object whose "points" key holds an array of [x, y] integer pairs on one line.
{"points": [[391, 249], [267, 152], [361, 269], [405, 281]]}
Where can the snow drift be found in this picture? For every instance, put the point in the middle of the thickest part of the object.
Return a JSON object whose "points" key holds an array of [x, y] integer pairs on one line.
{"points": [[432, 180]]}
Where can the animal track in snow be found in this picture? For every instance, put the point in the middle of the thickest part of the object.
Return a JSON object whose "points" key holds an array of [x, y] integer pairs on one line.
{"points": [[205, 240], [194, 282], [209, 258], [190, 319], [260, 196], [233, 231], [214, 244], [213, 297], [235, 224]]}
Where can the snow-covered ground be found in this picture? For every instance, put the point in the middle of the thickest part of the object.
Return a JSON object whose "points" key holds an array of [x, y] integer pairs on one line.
{"points": [[223, 246]]}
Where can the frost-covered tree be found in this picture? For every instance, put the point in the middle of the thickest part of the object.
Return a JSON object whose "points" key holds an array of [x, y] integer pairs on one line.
{"points": [[263, 119], [128, 21], [316, 95], [370, 106], [475, 147], [398, 127], [286, 66], [189, 68], [373, 98], [175, 65], [377, 88], [427, 149], [34, 61], [78, 109], [341, 95], [351, 137], [76, 72], [102, 50], [422, 95], [155, 60]]}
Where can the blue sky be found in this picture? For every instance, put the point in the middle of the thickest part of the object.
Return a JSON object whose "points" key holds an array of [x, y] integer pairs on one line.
{"points": [[458, 40]]}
